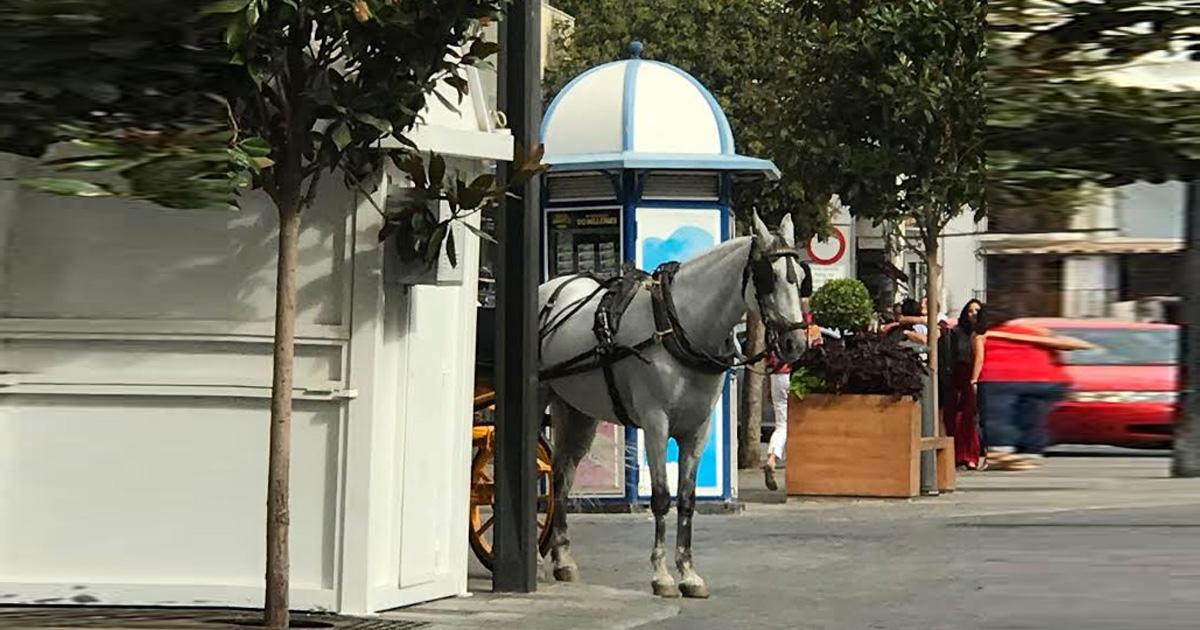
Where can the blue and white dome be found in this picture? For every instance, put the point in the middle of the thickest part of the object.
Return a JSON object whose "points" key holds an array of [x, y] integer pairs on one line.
{"points": [[640, 114]]}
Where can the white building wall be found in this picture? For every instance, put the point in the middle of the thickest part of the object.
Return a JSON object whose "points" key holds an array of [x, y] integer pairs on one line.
{"points": [[963, 272], [135, 354]]}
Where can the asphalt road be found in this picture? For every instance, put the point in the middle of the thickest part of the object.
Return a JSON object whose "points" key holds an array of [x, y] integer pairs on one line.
{"points": [[1093, 543]]}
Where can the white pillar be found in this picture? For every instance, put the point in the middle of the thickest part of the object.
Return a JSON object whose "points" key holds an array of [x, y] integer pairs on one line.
{"points": [[1088, 284]]}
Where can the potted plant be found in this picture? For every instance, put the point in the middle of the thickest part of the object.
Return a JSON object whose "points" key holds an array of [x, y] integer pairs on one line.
{"points": [[854, 423]]}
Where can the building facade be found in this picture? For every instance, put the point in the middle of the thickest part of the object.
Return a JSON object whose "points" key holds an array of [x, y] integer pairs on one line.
{"points": [[135, 376]]}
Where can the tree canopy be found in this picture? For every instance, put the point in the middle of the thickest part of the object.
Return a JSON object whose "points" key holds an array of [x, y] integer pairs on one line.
{"points": [[191, 104], [1058, 123], [736, 48]]}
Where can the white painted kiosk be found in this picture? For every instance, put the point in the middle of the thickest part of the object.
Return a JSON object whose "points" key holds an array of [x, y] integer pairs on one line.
{"points": [[135, 369], [641, 164]]}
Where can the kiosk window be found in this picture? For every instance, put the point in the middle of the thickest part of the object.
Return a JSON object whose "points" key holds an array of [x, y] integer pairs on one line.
{"points": [[584, 241]]}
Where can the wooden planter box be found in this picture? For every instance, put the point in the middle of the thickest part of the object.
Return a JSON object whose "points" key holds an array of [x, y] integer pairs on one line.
{"points": [[867, 446]]}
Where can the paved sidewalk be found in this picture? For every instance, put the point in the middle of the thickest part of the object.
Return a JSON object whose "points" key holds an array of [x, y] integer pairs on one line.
{"points": [[554, 607], [1087, 543]]}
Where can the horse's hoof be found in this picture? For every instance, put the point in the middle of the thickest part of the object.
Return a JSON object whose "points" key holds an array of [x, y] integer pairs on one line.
{"points": [[694, 591], [666, 590], [566, 574]]}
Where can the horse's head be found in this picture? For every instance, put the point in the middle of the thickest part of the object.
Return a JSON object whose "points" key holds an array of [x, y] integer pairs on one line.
{"points": [[778, 279]]}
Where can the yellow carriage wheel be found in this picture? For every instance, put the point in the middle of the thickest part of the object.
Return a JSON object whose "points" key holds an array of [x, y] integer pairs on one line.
{"points": [[483, 496]]}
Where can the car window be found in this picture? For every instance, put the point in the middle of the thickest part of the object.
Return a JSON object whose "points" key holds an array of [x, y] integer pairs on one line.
{"points": [[1117, 346]]}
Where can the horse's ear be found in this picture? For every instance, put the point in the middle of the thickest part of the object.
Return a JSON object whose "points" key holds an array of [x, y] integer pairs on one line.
{"points": [[761, 230], [787, 230]]}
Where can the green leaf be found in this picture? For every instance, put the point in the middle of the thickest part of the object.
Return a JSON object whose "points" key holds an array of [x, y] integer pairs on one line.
{"points": [[437, 169], [451, 250], [480, 233], [225, 6], [460, 84], [415, 169], [484, 182], [388, 229], [71, 187], [340, 134], [252, 13], [256, 147], [235, 34], [469, 197], [434, 245], [382, 125]]}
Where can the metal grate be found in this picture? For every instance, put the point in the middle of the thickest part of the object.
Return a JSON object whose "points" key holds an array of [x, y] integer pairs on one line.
{"points": [[592, 187], [692, 186], [179, 619]]}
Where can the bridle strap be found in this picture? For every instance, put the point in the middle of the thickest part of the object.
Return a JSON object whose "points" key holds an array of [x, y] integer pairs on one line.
{"points": [[758, 266]]}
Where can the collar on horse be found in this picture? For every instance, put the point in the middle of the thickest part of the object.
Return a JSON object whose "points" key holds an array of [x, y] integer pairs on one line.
{"points": [[617, 293]]}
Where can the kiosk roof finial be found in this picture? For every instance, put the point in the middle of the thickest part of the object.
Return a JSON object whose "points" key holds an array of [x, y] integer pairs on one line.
{"points": [[635, 49]]}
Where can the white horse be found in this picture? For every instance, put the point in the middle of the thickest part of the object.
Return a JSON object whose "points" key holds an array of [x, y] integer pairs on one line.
{"points": [[662, 372]]}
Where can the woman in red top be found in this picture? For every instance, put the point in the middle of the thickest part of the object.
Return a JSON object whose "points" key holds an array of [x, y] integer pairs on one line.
{"points": [[1020, 379]]}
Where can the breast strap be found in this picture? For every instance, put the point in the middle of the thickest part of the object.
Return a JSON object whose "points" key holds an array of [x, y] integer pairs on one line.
{"points": [[616, 294]]}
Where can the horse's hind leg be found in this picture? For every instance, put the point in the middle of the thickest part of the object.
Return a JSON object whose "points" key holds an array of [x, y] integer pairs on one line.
{"points": [[573, 435], [690, 448], [660, 503]]}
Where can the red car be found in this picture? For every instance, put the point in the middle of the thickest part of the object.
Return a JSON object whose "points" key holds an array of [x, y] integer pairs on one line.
{"points": [[1124, 393]]}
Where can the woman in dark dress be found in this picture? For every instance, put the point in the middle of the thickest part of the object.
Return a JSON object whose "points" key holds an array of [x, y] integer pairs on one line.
{"points": [[959, 407]]}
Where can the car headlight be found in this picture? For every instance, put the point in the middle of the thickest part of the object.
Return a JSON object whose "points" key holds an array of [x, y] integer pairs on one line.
{"points": [[1125, 397]]}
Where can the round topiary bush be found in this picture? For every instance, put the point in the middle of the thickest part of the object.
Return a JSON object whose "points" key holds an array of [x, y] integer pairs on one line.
{"points": [[843, 304]]}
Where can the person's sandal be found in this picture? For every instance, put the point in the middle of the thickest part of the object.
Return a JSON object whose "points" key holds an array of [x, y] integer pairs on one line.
{"points": [[769, 478], [1015, 463]]}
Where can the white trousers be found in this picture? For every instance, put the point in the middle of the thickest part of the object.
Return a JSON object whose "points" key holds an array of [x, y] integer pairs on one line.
{"points": [[780, 385]]}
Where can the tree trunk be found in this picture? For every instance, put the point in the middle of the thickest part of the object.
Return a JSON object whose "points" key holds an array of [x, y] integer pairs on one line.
{"points": [[750, 436], [1186, 452], [279, 459], [933, 292]]}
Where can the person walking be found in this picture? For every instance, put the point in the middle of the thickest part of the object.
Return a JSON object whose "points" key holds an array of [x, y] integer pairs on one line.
{"points": [[781, 384], [1020, 379], [959, 404]]}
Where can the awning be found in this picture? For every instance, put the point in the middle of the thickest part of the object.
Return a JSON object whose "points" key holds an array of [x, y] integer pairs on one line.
{"points": [[631, 160], [1098, 247]]}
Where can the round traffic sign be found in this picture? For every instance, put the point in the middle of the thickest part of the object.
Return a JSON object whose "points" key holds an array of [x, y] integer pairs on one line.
{"points": [[827, 251]]}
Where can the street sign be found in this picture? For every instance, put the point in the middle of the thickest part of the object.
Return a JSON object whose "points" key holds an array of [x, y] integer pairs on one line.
{"points": [[827, 251]]}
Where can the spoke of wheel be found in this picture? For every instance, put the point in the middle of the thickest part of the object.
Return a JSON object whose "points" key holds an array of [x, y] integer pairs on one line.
{"points": [[487, 525]]}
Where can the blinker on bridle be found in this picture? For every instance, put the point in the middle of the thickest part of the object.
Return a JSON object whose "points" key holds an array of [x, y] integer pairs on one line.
{"points": [[760, 270]]}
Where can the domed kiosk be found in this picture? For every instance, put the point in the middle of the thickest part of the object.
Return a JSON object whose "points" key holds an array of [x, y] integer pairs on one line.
{"points": [[641, 164]]}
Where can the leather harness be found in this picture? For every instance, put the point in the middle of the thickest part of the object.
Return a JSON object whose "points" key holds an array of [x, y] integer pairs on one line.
{"points": [[618, 292]]}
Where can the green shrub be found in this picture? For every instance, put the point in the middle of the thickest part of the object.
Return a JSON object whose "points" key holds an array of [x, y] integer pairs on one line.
{"points": [[866, 364], [805, 382], [843, 304]]}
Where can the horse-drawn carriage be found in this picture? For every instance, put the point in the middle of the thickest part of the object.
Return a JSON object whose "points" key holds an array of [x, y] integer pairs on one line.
{"points": [[483, 484]]}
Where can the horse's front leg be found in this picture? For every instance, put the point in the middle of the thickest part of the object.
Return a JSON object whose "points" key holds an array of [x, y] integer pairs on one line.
{"points": [[660, 503], [573, 435], [690, 448]]}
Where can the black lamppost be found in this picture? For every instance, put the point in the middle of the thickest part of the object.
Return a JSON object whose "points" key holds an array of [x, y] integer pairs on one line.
{"points": [[1187, 430], [518, 418]]}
